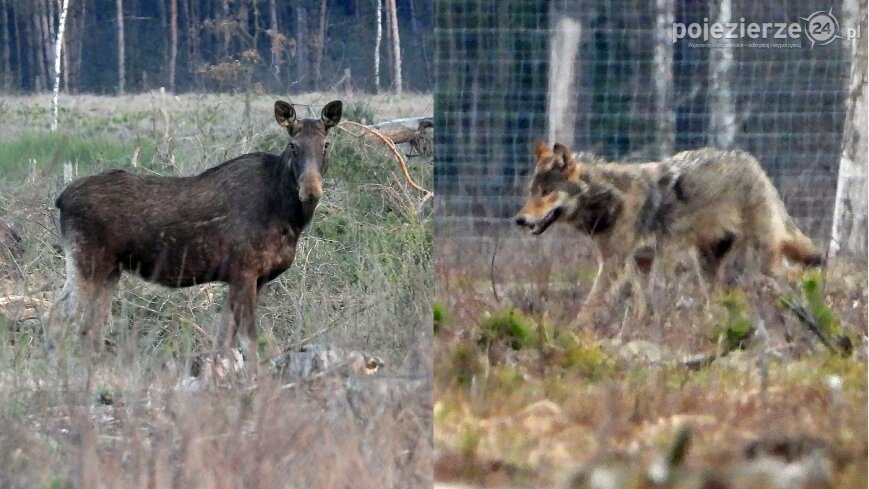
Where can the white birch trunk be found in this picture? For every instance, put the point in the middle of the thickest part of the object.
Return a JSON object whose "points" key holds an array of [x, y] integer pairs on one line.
{"points": [[173, 40], [849, 212], [722, 124], [120, 23], [377, 40], [58, 48], [666, 116], [562, 74]]}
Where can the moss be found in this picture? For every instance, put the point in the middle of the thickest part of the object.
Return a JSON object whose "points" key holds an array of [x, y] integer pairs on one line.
{"points": [[509, 325], [733, 331], [439, 314]]}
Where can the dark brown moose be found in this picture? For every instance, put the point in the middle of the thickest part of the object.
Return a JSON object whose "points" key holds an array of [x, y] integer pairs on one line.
{"points": [[237, 223]]}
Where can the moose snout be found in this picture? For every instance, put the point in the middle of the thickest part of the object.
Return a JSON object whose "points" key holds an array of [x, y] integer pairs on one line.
{"points": [[311, 189]]}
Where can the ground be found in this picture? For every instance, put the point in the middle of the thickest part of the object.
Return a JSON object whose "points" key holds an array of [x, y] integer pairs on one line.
{"points": [[526, 398], [362, 280]]}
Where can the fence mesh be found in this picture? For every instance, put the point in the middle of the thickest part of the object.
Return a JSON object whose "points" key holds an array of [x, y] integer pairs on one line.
{"points": [[607, 77]]}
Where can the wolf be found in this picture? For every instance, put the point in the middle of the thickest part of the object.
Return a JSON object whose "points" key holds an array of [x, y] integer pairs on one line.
{"points": [[710, 201]]}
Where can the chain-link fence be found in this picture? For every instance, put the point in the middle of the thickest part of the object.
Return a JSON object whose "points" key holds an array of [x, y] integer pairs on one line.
{"points": [[615, 78]]}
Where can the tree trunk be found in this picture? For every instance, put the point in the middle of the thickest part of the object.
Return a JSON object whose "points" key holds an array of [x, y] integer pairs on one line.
{"points": [[19, 61], [666, 116], [722, 124], [849, 212], [377, 41], [58, 46], [420, 37], [224, 30], [319, 46], [7, 64], [562, 70], [396, 46], [39, 41], [173, 42], [193, 41], [49, 35], [301, 45], [120, 24], [273, 27], [79, 45]]}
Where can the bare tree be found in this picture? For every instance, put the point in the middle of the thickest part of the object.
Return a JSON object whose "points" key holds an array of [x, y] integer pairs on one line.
{"points": [[58, 45], [377, 40], [666, 116], [722, 124], [396, 44], [173, 42], [849, 214], [120, 23]]}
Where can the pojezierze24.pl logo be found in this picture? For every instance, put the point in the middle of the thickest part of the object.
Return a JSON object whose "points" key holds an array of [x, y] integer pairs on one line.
{"points": [[820, 28]]}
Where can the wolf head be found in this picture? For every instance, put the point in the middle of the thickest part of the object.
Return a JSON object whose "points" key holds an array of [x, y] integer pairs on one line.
{"points": [[554, 189]]}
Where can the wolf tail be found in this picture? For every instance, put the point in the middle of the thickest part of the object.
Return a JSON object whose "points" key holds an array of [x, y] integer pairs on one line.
{"points": [[797, 247]]}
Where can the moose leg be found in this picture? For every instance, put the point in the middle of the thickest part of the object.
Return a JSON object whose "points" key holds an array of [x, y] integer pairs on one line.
{"points": [[99, 309], [242, 301]]}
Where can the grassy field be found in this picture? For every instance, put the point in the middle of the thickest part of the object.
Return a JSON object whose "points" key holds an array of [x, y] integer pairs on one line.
{"points": [[362, 280], [525, 399]]}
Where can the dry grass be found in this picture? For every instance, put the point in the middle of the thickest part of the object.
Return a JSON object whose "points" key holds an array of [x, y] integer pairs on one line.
{"points": [[362, 280], [524, 399]]}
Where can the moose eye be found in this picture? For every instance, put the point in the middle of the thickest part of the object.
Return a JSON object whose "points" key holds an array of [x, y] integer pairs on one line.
{"points": [[326, 147], [294, 149]]}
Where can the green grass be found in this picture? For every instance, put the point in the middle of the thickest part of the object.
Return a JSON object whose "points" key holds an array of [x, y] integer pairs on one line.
{"points": [[48, 151]]}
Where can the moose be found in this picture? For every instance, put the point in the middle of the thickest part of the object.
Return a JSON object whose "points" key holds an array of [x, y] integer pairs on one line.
{"points": [[236, 223]]}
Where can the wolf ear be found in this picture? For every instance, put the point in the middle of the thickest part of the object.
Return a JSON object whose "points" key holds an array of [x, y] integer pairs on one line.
{"points": [[285, 114], [540, 148], [331, 114], [563, 159]]}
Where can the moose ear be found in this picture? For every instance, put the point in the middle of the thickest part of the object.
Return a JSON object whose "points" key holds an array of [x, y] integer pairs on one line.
{"points": [[285, 114], [540, 148], [331, 115]]}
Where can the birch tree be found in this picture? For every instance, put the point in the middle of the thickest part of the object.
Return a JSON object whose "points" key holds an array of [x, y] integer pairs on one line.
{"points": [[173, 42], [849, 212], [120, 26], [722, 124], [58, 48], [377, 39], [563, 52], [665, 115]]}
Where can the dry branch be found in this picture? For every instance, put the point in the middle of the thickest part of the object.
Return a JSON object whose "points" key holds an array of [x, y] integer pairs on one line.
{"points": [[390, 144]]}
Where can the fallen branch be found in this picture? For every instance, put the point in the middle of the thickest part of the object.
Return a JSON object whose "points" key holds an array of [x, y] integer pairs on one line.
{"points": [[402, 162]]}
